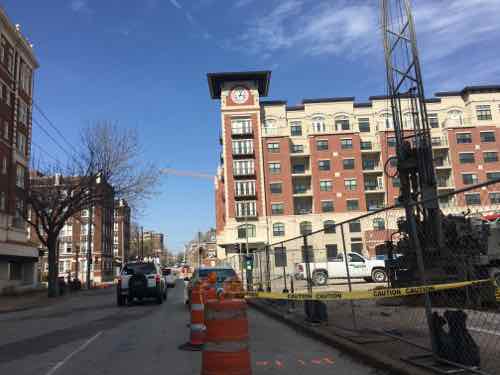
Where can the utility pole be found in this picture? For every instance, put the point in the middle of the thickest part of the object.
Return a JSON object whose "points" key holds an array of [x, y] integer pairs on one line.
{"points": [[89, 245], [122, 239], [199, 249]]}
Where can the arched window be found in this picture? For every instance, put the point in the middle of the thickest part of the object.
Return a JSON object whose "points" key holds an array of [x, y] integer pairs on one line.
{"points": [[329, 226], [305, 227], [318, 124], [378, 223], [246, 230], [278, 229], [342, 123], [454, 117], [387, 120]]}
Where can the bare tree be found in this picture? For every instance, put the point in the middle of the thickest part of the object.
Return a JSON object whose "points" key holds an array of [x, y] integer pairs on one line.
{"points": [[109, 156]]}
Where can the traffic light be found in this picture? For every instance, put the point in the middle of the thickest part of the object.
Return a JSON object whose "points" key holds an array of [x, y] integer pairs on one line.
{"points": [[248, 262]]}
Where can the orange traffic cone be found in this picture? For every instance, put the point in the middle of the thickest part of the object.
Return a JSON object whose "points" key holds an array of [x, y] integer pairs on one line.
{"points": [[197, 326], [226, 343]]}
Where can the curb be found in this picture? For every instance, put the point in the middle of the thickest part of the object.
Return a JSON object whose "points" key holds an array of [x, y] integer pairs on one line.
{"points": [[370, 357]]}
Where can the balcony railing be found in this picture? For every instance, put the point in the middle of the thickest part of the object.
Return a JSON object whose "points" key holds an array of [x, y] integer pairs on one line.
{"points": [[243, 151], [370, 165], [297, 149], [375, 206], [439, 141], [444, 182], [243, 194], [303, 211], [372, 187], [366, 145], [242, 131], [244, 172], [441, 162], [301, 189], [298, 169]]}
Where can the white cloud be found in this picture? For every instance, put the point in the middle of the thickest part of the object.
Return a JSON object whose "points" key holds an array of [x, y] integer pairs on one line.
{"points": [[79, 6], [242, 3], [176, 4], [446, 31]]}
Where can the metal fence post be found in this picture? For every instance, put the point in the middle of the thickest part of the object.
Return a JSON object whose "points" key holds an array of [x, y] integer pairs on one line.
{"points": [[268, 270], [261, 288], [346, 261], [308, 267]]}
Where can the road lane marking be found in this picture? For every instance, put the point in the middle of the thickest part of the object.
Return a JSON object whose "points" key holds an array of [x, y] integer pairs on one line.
{"points": [[70, 355]]}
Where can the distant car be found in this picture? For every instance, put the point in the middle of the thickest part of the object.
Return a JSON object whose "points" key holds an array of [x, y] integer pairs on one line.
{"points": [[140, 280], [201, 274], [170, 277]]}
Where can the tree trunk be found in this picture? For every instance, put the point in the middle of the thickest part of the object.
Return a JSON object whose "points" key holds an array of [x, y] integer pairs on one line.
{"points": [[53, 267]]}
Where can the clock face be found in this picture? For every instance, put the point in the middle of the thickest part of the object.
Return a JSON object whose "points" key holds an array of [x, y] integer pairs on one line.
{"points": [[239, 95]]}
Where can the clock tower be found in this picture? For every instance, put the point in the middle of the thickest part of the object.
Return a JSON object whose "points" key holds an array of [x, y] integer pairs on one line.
{"points": [[240, 193]]}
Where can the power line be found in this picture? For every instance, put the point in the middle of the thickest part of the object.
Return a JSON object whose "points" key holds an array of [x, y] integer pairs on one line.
{"points": [[51, 137], [33, 143]]}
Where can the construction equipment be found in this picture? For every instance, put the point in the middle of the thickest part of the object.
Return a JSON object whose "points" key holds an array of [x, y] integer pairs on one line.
{"points": [[435, 247]]}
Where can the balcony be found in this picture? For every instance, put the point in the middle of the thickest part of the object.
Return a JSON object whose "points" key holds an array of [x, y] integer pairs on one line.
{"points": [[369, 147], [375, 205], [300, 170], [444, 183], [242, 133], [302, 190], [297, 150], [245, 195], [439, 142], [442, 163], [244, 153], [374, 187], [302, 205], [371, 165], [244, 172]]}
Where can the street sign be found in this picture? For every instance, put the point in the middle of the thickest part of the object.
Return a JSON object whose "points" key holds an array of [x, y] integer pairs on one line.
{"points": [[280, 256]]}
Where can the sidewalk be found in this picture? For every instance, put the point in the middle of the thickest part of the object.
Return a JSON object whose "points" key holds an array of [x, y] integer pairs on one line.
{"points": [[39, 298]]}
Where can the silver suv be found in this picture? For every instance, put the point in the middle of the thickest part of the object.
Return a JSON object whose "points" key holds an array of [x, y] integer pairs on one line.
{"points": [[140, 280]]}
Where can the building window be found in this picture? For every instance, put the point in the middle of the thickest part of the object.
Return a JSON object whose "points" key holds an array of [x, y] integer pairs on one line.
{"points": [[473, 199], [324, 165], [23, 112], [18, 216], [387, 119], [469, 178], [21, 143], [350, 184], [483, 112], [295, 129], [325, 186], [321, 145], [433, 120], [348, 163], [274, 168], [244, 147], [4, 165], [378, 223], [15, 271], [276, 187], [366, 145], [331, 252], [305, 228], [490, 156], [487, 136], [243, 167], [466, 157], [464, 138], [20, 176], [494, 198], [25, 75], [396, 182], [346, 144], [277, 209], [355, 226], [246, 209], [326, 206], [241, 126], [245, 188], [364, 125], [6, 130], [297, 149], [329, 226], [318, 124], [2, 201], [391, 142], [278, 229], [356, 247], [273, 147], [492, 176], [342, 123], [352, 205], [245, 231], [455, 118]]}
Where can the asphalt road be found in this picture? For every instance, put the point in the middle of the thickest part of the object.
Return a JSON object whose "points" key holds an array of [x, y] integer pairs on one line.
{"points": [[88, 334]]}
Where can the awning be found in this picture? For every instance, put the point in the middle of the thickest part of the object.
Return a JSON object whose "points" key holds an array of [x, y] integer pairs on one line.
{"points": [[17, 258]]}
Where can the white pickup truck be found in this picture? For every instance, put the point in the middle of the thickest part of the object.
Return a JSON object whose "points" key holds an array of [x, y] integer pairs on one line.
{"points": [[359, 268]]}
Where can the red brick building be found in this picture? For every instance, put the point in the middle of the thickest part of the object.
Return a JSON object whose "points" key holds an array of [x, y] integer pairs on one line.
{"points": [[121, 233], [289, 169], [18, 256]]}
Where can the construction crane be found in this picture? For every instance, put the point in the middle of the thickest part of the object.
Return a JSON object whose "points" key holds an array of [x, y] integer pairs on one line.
{"points": [[177, 172]]}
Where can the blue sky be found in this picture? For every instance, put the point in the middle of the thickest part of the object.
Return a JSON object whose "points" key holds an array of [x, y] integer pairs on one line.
{"points": [[143, 64]]}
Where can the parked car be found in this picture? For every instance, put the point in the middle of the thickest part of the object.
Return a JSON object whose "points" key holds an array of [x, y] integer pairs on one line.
{"points": [[170, 277], [201, 274], [359, 268], [140, 280]]}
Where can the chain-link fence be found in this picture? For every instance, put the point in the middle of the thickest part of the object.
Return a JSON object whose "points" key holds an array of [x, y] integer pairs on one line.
{"points": [[452, 239]]}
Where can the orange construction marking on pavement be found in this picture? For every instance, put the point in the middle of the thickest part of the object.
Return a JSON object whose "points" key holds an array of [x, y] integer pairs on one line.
{"points": [[262, 363], [279, 364], [302, 362], [329, 361], [316, 361]]}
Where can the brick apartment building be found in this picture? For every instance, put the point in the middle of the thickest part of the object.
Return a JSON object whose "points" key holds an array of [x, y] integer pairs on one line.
{"points": [[18, 257], [121, 233], [286, 170], [155, 241], [73, 238]]}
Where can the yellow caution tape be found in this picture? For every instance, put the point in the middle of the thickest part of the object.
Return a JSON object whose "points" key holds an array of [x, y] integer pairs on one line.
{"points": [[364, 294]]}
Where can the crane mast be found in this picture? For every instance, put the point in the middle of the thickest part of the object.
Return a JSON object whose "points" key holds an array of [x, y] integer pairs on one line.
{"points": [[411, 126]]}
